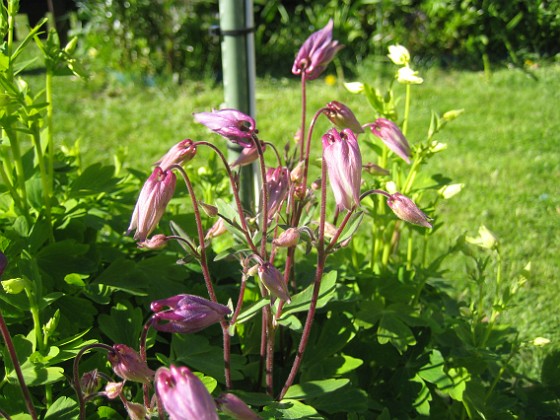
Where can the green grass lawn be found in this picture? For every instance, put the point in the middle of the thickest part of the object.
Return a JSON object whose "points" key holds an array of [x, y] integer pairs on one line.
{"points": [[505, 148]]}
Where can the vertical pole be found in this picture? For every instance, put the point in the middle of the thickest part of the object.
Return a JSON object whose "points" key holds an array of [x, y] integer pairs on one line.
{"points": [[238, 64]]}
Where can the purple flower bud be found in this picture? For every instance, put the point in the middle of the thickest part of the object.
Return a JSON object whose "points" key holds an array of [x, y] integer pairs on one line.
{"points": [[234, 125], [181, 153], [277, 184], [406, 210], [158, 241], [344, 166], [186, 314], [128, 364], [288, 238], [217, 229], [392, 136], [247, 156], [316, 53], [273, 280], [234, 407], [151, 204], [183, 395], [343, 117], [90, 382], [135, 411]]}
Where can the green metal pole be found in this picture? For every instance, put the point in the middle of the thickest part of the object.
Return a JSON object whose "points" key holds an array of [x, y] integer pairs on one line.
{"points": [[238, 64]]}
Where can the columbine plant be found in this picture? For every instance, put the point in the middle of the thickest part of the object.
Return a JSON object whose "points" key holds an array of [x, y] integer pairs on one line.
{"points": [[289, 211]]}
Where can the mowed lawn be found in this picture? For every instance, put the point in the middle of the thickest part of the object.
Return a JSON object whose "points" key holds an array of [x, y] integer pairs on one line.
{"points": [[505, 148]]}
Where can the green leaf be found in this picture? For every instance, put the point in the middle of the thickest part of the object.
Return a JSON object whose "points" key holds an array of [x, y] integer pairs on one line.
{"points": [[344, 400], [63, 408], [36, 375], [94, 180], [392, 329], [351, 227], [333, 366], [252, 310], [314, 388], [290, 409], [302, 300], [422, 401], [460, 377], [197, 352], [75, 279], [434, 373], [123, 325], [122, 275]]}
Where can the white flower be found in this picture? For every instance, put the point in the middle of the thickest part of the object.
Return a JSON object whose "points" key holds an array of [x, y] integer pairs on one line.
{"points": [[485, 239], [399, 55], [407, 76], [448, 191], [354, 87]]}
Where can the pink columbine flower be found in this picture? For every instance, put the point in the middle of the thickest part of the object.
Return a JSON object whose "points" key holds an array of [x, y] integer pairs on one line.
{"points": [[277, 184], [186, 314], [180, 153], [344, 166], [232, 124], [273, 280], [151, 204], [183, 395], [392, 136], [234, 407], [128, 364], [316, 53], [405, 209], [343, 117]]}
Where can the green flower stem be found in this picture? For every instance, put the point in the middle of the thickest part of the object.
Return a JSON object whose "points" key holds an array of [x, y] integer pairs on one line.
{"points": [[406, 109], [20, 172], [46, 180], [407, 186], [303, 115], [13, 356], [409, 243]]}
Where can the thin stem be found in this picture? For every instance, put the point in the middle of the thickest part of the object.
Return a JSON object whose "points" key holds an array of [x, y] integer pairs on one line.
{"points": [[339, 230], [77, 384], [17, 367], [235, 194], [45, 179], [264, 210], [308, 144], [143, 356], [321, 258], [303, 114], [205, 270]]}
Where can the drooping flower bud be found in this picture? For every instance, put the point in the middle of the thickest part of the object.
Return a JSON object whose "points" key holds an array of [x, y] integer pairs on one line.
{"points": [[316, 53], [485, 239], [296, 175], [344, 166], [405, 209], [128, 364], [135, 411], [232, 124], [151, 204], [273, 280], [392, 137], [181, 153], [217, 229], [234, 407], [209, 209], [288, 238], [343, 117], [247, 156], [277, 184], [90, 382], [186, 314], [156, 242], [183, 395], [372, 168]]}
